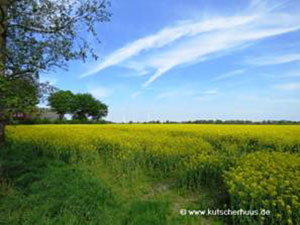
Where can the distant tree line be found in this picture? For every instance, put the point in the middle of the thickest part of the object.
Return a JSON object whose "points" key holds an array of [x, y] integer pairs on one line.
{"points": [[102, 121], [82, 107], [242, 122], [279, 122]]}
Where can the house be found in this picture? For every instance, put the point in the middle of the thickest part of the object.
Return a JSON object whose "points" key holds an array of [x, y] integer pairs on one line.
{"points": [[39, 113], [46, 113], [22, 116]]}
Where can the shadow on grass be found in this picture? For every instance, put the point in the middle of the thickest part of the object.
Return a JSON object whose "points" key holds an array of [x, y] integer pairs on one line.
{"points": [[37, 188]]}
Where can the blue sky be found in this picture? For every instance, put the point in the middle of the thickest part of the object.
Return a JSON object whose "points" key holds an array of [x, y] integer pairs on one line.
{"points": [[197, 59]]}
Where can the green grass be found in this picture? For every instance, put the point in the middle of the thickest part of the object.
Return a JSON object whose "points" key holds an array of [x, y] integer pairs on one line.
{"points": [[37, 187]]}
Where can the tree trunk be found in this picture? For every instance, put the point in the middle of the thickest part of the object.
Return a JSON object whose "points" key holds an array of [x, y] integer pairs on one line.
{"points": [[61, 116], [3, 32]]}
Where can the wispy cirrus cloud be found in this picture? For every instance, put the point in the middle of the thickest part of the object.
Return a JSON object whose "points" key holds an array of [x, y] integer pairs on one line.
{"points": [[166, 36], [192, 41], [229, 75], [274, 60], [205, 47], [139, 69]]}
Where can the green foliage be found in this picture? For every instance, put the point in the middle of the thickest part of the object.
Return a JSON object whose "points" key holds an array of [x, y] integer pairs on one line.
{"points": [[40, 35], [18, 95], [61, 102], [82, 106], [85, 105]]}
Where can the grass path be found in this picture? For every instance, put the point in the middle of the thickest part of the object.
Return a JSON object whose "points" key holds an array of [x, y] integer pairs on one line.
{"points": [[154, 195]]}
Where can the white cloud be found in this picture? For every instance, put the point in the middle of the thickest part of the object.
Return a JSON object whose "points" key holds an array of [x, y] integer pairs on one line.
{"points": [[167, 36], [194, 41], [206, 47], [100, 92], [229, 75], [139, 69], [289, 86], [273, 60], [203, 47]]}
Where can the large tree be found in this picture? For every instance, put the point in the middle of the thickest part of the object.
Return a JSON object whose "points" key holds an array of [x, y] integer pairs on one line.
{"points": [[61, 102], [99, 110], [85, 105], [39, 35]]}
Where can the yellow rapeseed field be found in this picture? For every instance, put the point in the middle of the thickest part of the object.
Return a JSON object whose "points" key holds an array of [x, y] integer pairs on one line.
{"points": [[257, 165]]}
